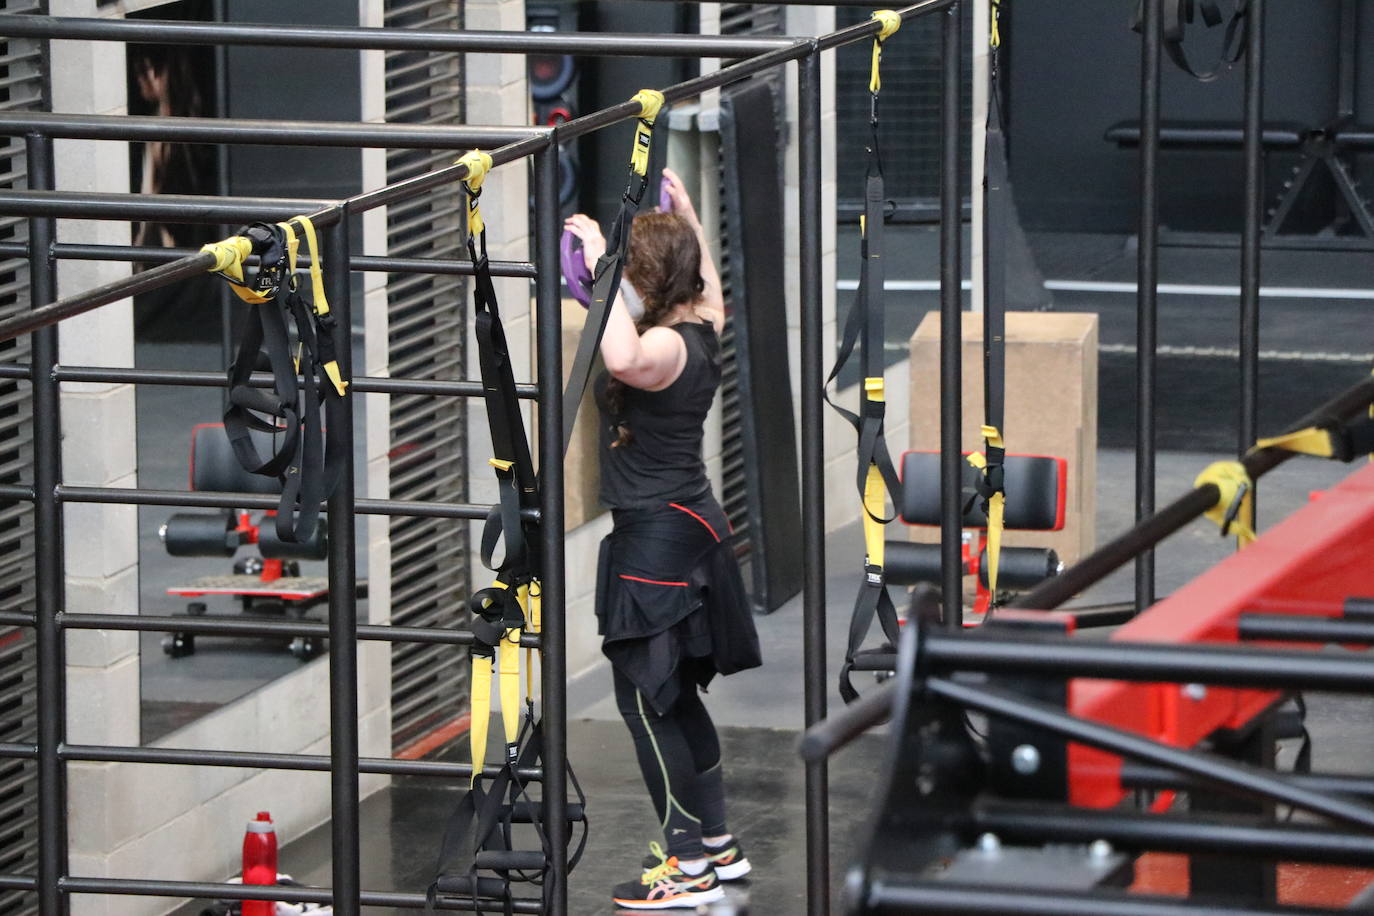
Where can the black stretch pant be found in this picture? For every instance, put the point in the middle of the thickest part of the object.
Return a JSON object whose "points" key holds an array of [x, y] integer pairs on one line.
{"points": [[679, 756]]}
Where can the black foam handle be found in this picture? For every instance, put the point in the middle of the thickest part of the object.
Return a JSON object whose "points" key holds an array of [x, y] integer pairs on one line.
{"points": [[197, 534], [509, 860], [274, 548], [461, 886], [907, 563], [1021, 567], [524, 812]]}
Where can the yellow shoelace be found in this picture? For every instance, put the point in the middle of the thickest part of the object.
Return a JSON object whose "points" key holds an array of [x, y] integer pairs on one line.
{"points": [[665, 868]]}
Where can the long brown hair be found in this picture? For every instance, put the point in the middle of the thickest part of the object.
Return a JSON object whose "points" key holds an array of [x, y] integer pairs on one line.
{"points": [[664, 265]]}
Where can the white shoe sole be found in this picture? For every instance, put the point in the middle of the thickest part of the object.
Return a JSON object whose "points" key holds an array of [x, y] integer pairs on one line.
{"points": [[733, 870], [690, 901]]}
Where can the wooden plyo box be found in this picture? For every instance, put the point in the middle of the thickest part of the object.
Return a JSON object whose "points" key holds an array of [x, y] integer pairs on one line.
{"points": [[581, 473], [1051, 408]]}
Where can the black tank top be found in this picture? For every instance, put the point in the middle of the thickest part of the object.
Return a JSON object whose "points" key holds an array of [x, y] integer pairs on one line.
{"points": [[662, 461]]}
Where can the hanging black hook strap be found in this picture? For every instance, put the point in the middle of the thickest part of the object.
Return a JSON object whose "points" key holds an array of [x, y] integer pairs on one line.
{"points": [[1178, 14], [876, 477], [606, 277], [303, 456]]}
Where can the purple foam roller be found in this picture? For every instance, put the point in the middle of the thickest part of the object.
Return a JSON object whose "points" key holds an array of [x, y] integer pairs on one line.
{"points": [[575, 272], [665, 200]]}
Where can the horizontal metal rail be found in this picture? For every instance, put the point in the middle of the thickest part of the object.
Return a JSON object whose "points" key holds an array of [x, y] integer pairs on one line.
{"points": [[870, 27], [208, 889], [361, 263], [253, 626], [252, 760], [363, 38], [197, 378], [133, 496], [172, 208], [353, 134]]}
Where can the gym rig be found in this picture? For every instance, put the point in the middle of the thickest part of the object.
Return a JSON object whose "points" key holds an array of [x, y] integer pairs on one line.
{"points": [[43, 204]]}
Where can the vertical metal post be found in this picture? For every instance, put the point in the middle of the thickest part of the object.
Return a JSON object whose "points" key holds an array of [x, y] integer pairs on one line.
{"points": [[1147, 281], [951, 327], [49, 570], [814, 685], [553, 647], [343, 597], [1250, 234]]}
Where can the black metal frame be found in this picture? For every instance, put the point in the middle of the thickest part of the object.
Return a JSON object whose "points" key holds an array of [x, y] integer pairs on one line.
{"points": [[42, 204]]}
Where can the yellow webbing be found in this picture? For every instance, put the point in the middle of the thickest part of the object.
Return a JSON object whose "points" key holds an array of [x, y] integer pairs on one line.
{"points": [[1232, 483], [997, 504], [891, 22], [508, 659], [1310, 441], [875, 496], [650, 101], [995, 39], [478, 164], [229, 257], [533, 621], [480, 704]]}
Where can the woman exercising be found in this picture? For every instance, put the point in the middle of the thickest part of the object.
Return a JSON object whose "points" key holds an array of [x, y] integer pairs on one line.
{"points": [[670, 601]]}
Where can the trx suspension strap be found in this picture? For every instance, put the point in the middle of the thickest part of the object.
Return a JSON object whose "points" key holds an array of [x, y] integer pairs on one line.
{"points": [[1177, 14], [606, 277], [996, 218], [864, 326], [478, 835], [304, 456]]}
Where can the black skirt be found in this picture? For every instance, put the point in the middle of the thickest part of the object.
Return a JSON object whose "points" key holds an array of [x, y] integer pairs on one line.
{"points": [[670, 600]]}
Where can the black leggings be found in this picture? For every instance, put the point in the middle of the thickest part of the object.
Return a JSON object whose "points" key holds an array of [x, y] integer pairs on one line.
{"points": [[679, 756]]}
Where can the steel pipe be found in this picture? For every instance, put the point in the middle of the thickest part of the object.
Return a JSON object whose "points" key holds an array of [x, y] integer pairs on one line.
{"points": [[896, 895], [120, 496], [172, 208], [203, 379], [382, 39], [951, 329], [1147, 292]]}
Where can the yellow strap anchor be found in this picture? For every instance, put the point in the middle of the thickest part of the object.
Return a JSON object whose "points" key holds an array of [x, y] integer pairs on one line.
{"points": [[650, 102], [997, 504], [229, 255], [1311, 441], [891, 22], [1234, 508], [478, 164]]}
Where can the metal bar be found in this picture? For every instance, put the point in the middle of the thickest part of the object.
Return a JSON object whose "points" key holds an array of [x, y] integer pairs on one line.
{"points": [[1142, 776], [371, 263], [1116, 553], [1251, 232], [253, 626], [810, 281], [869, 27], [951, 330], [344, 824], [1147, 291], [554, 663], [53, 312], [1189, 833], [177, 756], [208, 500], [173, 208], [1302, 628], [1212, 769], [200, 379], [49, 569], [64, 126], [143, 887], [888, 898], [381, 39]]}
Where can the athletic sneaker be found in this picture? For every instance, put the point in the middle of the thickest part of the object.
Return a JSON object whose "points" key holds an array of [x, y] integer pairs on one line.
{"points": [[728, 859], [664, 886]]}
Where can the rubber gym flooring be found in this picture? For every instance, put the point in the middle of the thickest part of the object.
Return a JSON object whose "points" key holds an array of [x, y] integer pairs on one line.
{"points": [[1319, 345]]}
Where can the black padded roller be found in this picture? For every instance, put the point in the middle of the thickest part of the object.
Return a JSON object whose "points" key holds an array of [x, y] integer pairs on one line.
{"points": [[1032, 483], [906, 563], [461, 886], [509, 860], [196, 534], [1021, 568], [274, 548]]}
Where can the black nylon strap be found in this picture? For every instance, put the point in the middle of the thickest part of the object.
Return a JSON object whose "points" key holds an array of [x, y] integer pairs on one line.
{"points": [[302, 459], [872, 601], [1178, 14], [518, 485], [605, 286], [997, 217]]}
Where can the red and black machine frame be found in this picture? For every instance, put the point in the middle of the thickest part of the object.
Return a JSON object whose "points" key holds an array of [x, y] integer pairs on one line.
{"points": [[1027, 770]]}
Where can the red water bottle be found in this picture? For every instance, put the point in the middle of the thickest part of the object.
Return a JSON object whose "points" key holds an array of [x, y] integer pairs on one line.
{"points": [[260, 862]]}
